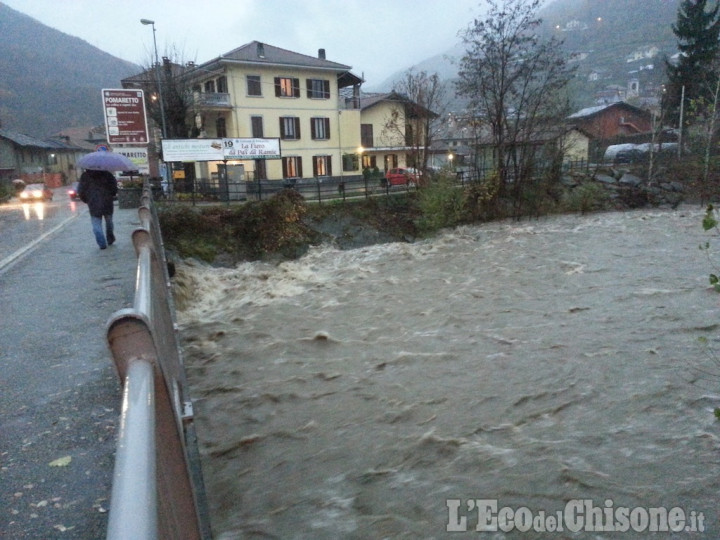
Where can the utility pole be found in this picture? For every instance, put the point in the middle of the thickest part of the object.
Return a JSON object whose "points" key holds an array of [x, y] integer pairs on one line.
{"points": [[682, 108]]}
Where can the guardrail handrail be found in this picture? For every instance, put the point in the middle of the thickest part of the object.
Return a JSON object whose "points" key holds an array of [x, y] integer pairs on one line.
{"points": [[157, 488]]}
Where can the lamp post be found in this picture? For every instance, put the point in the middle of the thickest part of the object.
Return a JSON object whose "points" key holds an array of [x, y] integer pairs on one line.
{"points": [[157, 76]]}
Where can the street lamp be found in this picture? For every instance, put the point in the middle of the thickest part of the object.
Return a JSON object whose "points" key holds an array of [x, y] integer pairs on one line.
{"points": [[157, 76]]}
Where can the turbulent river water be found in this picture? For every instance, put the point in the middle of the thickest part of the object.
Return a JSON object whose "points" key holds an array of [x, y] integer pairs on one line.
{"points": [[383, 392]]}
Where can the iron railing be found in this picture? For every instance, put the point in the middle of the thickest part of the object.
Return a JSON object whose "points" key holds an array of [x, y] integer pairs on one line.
{"points": [[157, 483]]}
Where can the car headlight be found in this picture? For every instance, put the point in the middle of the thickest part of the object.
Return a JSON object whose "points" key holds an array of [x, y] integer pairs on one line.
{"points": [[37, 193]]}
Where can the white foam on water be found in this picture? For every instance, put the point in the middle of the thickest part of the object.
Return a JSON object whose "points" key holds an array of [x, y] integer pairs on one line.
{"points": [[349, 393]]}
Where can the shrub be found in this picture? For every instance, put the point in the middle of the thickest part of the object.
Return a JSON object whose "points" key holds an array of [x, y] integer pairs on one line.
{"points": [[441, 204], [250, 231], [585, 198], [6, 192], [193, 233], [481, 199], [273, 226]]}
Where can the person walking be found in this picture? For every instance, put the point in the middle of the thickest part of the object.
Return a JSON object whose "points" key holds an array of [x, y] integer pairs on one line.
{"points": [[97, 189]]}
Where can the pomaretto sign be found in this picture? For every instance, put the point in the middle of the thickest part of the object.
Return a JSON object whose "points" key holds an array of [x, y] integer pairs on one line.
{"points": [[139, 156], [220, 149], [125, 120]]}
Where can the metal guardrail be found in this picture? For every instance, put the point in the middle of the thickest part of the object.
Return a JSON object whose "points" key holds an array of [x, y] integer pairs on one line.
{"points": [[157, 484]]}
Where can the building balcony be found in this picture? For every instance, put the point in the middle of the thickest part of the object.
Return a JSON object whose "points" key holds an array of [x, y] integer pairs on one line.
{"points": [[211, 100]]}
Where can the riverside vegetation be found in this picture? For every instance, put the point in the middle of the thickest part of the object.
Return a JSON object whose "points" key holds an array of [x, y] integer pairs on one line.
{"points": [[285, 226]]}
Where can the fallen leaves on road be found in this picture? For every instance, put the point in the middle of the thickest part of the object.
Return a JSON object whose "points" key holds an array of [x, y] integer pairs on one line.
{"points": [[61, 462]]}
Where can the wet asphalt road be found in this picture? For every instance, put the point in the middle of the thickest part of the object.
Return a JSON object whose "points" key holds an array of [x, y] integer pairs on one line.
{"points": [[59, 393]]}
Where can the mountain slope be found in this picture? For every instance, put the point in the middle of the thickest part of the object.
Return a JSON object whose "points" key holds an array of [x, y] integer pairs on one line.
{"points": [[613, 41], [51, 80]]}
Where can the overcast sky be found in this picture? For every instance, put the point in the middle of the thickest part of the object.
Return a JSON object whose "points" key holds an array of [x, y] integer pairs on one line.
{"points": [[375, 37]]}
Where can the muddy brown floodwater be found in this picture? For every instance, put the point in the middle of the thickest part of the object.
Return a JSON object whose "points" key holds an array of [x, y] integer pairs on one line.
{"points": [[381, 392]]}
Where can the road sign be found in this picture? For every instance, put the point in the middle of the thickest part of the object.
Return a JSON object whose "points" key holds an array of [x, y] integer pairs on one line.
{"points": [[139, 156], [125, 120]]}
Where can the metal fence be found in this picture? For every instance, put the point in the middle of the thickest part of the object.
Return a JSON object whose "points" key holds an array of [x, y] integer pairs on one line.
{"points": [[318, 189], [157, 487]]}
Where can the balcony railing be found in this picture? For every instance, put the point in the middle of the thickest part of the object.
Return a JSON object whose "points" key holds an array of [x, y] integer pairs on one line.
{"points": [[211, 99]]}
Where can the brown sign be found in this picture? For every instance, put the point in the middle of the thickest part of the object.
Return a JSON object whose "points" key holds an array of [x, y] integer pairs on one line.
{"points": [[125, 116]]}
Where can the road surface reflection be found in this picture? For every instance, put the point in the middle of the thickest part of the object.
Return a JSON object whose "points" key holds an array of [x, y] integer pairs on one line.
{"points": [[35, 210]]}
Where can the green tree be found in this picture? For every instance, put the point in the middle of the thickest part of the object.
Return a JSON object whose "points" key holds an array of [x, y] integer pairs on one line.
{"points": [[697, 30]]}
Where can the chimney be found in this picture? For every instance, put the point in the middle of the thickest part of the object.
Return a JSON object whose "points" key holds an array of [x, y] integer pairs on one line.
{"points": [[260, 50], [321, 54]]}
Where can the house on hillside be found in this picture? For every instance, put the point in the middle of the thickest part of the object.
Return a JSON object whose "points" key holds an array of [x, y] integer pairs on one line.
{"points": [[312, 105], [575, 145], [35, 160], [614, 120], [611, 124]]}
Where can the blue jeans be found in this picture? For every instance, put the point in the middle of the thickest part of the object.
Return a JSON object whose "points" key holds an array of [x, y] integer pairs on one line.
{"points": [[103, 238]]}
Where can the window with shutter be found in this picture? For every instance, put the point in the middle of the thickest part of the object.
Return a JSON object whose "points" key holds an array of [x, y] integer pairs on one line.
{"points": [[318, 89], [292, 167], [253, 85], [287, 87], [320, 128], [256, 124], [289, 128], [322, 166], [366, 135]]}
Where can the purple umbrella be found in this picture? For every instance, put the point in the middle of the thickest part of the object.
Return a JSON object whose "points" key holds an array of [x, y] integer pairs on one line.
{"points": [[106, 161]]}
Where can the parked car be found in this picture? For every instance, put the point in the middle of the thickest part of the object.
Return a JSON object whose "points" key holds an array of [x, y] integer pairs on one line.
{"points": [[36, 192], [630, 156], [403, 176], [73, 192]]}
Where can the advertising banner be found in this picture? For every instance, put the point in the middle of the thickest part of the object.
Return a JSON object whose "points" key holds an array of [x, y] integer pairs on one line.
{"points": [[220, 149], [251, 148], [192, 150]]}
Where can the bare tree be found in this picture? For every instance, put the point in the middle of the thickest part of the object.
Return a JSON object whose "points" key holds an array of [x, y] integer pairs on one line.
{"points": [[421, 99], [169, 80], [515, 83]]}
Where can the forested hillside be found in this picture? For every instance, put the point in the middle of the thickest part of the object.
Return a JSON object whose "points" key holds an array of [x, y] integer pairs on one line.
{"points": [[50, 80]]}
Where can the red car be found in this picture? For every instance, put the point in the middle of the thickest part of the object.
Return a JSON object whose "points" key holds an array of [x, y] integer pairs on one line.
{"points": [[73, 192], [403, 176]]}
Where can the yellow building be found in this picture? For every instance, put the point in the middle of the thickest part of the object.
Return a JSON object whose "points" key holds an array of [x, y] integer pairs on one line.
{"points": [[261, 91], [313, 105]]}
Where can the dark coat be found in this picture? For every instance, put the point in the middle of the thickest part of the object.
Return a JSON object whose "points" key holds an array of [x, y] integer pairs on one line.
{"points": [[98, 189]]}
